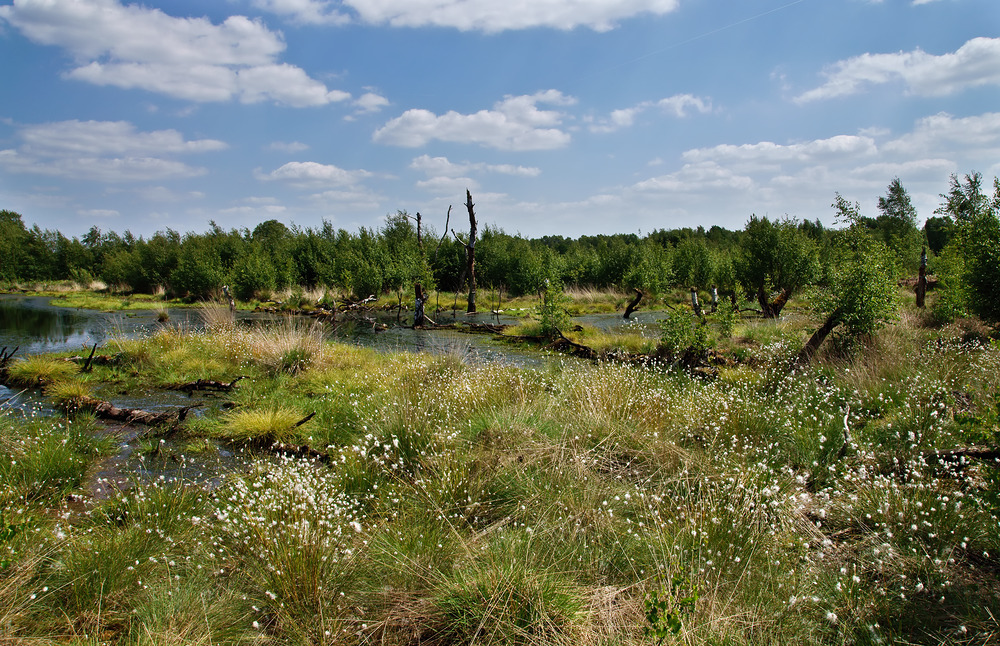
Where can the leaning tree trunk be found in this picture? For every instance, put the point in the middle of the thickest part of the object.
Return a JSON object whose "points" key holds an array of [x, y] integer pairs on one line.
{"points": [[470, 253], [772, 309], [817, 338], [634, 305]]}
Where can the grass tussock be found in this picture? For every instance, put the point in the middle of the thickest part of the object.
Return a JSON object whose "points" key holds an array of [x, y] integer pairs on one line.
{"points": [[39, 370], [260, 425]]}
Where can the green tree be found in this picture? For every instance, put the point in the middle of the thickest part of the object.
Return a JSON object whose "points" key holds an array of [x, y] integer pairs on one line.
{"points": [[253, 275], [896, 225], [974, 282], [13, 237], [864, 296], [773, 260], [198, 272]]}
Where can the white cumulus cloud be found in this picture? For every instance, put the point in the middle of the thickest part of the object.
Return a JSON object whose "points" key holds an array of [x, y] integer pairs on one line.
{"points": [[678, 106], [315, 12], [975, 63], [493, 16], [131, 46], [105, 151], [315, 174], [442, 166], [515, 123]]}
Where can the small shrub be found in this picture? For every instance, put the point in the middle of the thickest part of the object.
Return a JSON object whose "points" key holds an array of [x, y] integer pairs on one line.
{"points": [[552, 313]]}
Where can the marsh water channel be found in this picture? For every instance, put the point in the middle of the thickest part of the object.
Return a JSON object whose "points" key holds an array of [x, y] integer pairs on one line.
{"points": [[35, 325]]}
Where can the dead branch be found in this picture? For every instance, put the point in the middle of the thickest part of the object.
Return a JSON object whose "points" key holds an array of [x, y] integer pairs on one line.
{"points": [[98, 360]]}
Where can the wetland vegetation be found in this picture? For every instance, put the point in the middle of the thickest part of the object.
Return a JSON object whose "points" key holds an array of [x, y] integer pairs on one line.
{"points": [[706, 484]]}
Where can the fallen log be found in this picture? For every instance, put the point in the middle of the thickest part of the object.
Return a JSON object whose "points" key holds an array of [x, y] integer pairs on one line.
{"points": [[107, 411], [208, 385], [98, 360], [576, 348]]}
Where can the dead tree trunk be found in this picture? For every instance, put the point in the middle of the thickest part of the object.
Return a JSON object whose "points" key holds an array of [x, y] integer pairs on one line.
{"points": [[922, 279], [229, 297], [418, 309], [634, 305], [470, 252], [715, 298], [694, 302], [445, 235]]}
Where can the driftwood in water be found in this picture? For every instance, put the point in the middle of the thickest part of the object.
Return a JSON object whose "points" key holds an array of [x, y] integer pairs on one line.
{"points": [[108, 411], [561, 343], [208, 385], [5, 359], [634, 305]]}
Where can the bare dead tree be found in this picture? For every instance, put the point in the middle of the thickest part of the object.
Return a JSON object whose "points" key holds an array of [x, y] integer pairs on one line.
{"points": [[420, 240], [470, 252], [445, 235]]}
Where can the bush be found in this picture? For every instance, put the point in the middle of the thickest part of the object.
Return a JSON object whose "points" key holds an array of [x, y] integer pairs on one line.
{"points": [[253, 274], [552, 313]]}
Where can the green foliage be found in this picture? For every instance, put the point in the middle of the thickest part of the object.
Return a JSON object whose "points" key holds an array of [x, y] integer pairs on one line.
{"points": [[197, 275], [866, 295], [667, 608], [253, 275], [939, 231], [975, 266], [896, 227], [680, 332], [726, 318], [552, 314], [775, 257]]}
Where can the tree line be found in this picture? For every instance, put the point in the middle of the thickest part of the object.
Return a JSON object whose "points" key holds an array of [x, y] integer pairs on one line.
{"points": [[768, 261]]}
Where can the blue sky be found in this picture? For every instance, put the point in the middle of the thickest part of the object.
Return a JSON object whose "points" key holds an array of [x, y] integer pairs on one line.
{"points": [[566, 117]]}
